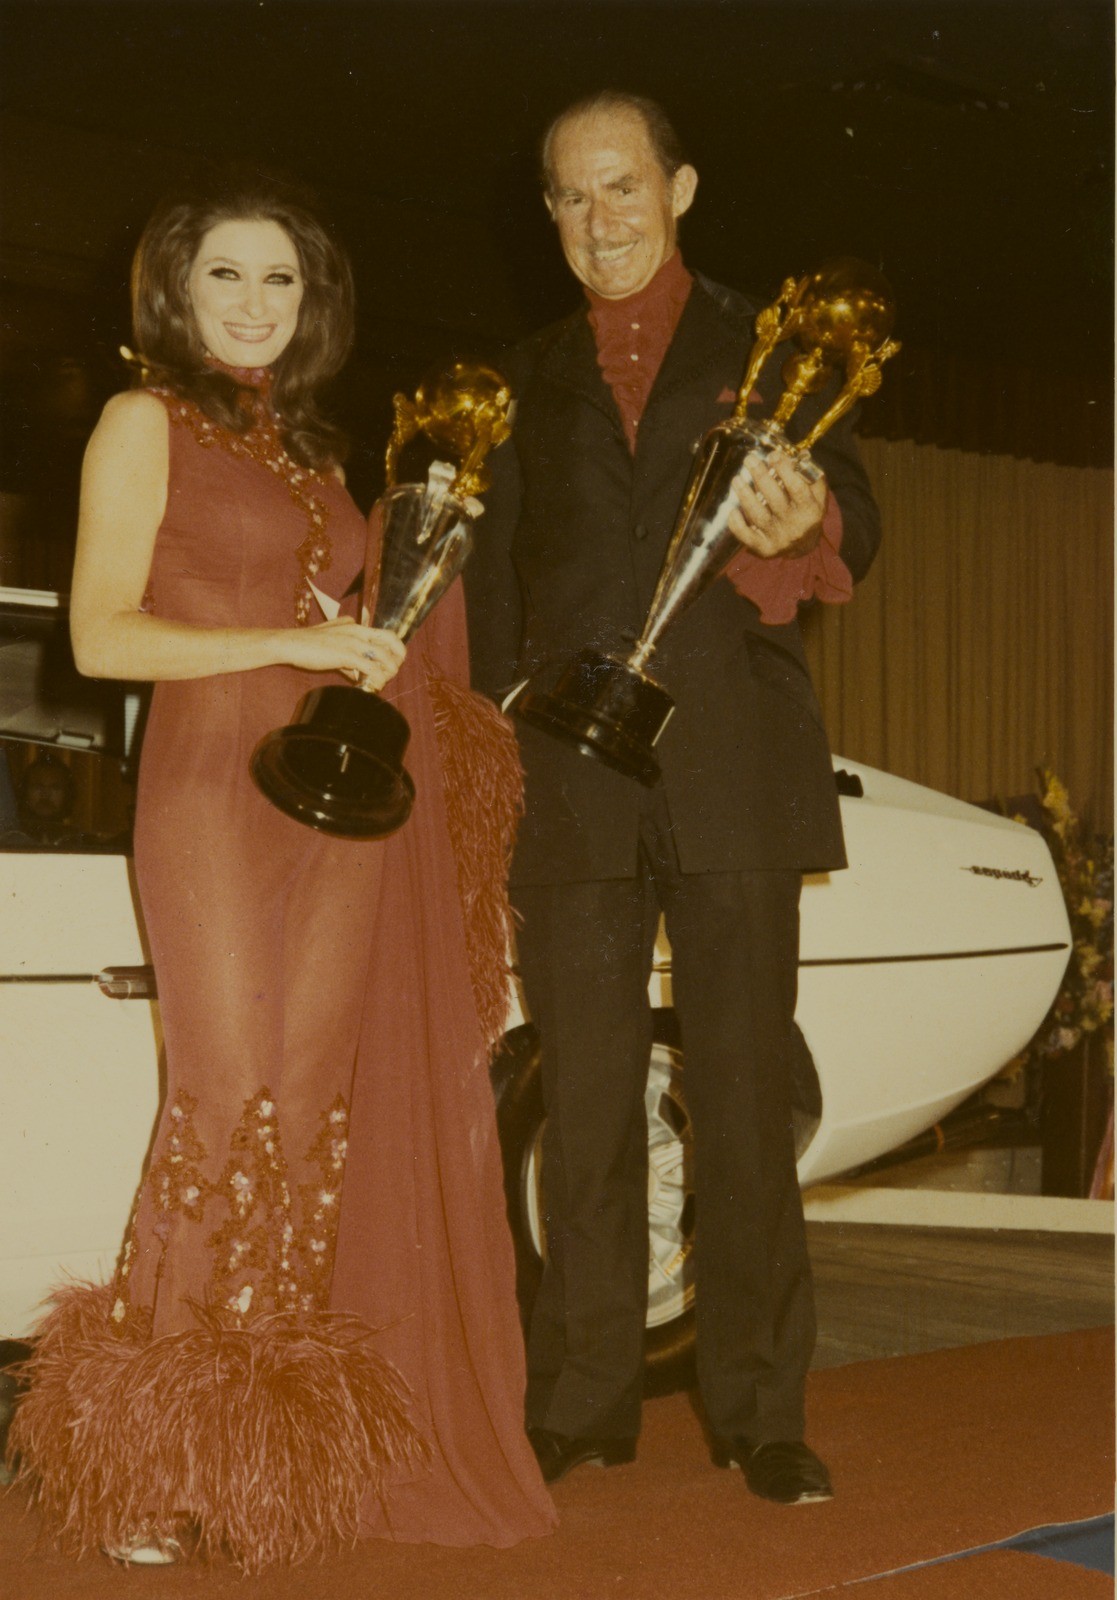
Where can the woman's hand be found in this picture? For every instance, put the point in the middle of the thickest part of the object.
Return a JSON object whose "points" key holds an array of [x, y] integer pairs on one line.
{"points": [[779, 509], [370, 656]]}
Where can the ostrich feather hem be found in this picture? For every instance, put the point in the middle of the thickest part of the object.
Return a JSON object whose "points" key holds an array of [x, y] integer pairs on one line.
{"points": [[262, 1440]]}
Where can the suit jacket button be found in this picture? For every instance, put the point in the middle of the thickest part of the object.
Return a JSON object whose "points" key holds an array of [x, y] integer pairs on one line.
{"points": [[640, 531]]}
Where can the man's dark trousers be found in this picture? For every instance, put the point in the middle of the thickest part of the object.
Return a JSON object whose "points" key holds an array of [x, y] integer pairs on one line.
{"points": [[585, 953]]}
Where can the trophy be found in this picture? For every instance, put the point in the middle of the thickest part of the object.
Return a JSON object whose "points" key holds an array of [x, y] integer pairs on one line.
{"points": [[841, 316], [338, 766]]}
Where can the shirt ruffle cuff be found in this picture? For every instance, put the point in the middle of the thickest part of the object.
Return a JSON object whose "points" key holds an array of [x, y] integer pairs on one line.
{"points": [[778, 585]]}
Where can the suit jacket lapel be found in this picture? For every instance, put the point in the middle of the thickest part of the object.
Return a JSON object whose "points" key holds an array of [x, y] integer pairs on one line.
{"points": [[703, 342], [571, 360]]}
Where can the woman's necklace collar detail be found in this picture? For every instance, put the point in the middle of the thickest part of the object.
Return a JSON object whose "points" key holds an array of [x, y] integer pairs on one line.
{"points": [[259, 378]]}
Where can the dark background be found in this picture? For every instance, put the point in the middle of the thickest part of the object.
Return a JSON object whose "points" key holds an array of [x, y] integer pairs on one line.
{"points": [[965, 148]]}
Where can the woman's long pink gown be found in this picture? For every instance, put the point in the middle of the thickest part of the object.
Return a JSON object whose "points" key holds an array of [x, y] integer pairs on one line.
{"points": [[325, 1162]]}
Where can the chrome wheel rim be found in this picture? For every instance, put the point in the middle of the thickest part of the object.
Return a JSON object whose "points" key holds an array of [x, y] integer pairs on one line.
{"points": [[670, 1190]]}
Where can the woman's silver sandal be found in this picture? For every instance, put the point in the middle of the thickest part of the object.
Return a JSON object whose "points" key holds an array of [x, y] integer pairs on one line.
{"points": [[148, 1548]]}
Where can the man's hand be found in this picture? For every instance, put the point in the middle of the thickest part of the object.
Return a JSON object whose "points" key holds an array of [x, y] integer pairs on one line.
{"points": [[779, 509]]}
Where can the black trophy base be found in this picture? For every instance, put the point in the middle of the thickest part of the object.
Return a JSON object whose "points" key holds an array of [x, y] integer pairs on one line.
{"points": [[339, 766], [608, 709]]}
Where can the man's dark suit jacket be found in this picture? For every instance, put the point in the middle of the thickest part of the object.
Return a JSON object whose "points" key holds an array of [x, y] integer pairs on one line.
{"points": [[568, 553]]}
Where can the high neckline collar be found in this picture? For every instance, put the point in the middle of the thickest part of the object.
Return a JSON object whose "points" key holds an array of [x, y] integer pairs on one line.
{"points": [[258, 378], [670, 281]]}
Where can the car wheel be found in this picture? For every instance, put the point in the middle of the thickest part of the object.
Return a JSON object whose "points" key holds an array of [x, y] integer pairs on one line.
{"points": [[669, 1341]]}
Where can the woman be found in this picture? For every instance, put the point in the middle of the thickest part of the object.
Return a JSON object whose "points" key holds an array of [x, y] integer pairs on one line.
{"points": [[226, 1383]]}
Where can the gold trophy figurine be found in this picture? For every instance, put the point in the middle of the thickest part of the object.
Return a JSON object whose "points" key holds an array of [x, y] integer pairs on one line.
{"points": [[427, 528], [338, 766], [840, 317]]}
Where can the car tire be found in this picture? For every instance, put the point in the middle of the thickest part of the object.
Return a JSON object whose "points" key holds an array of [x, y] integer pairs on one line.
{"points": [[517, 1083]]}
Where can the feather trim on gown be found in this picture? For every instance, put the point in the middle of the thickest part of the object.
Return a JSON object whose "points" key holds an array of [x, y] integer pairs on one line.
{"points": [[263, 1439]]}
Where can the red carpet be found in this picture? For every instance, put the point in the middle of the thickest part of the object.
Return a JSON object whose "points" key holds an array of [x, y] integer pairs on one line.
{"points": [[930, 1454]]}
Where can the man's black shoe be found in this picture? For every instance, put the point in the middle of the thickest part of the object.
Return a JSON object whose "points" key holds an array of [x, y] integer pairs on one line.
{"points": [[785, 1471], [557, 1455]]}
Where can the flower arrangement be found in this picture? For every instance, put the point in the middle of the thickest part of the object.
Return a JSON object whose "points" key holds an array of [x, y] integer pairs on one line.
{"points": [[1084, 1004]]}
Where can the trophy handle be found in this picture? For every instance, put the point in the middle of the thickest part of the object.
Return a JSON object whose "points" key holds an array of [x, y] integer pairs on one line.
{"points": [[863, 378], [406, 426], [470, 479], [776, 322]]}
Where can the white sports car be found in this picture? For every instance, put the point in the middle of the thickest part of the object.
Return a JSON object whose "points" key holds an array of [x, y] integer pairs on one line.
{"points": [[924, 968]]}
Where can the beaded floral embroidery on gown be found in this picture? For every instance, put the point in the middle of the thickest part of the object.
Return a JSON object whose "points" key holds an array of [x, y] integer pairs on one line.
{"points": [[220, 1376]]}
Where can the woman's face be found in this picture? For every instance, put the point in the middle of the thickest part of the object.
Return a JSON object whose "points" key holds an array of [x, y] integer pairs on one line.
{"points": [[245, 288]]}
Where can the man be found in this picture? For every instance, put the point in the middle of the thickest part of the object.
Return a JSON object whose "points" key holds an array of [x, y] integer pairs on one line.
{"points": [[610, 403]]}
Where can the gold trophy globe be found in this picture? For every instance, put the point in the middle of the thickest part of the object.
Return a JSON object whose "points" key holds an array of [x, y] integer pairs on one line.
{"points": [[338, 766], [841, 317]]}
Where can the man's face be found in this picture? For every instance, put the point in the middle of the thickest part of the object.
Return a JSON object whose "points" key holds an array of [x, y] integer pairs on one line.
{"points": [[615, 207], [46, 794]]}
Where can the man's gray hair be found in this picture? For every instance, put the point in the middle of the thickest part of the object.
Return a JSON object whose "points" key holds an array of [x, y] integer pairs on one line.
{"points": [[666, 145]]}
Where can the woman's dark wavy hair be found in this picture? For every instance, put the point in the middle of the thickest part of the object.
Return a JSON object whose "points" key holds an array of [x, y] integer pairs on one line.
{"points": [[166, 331]]}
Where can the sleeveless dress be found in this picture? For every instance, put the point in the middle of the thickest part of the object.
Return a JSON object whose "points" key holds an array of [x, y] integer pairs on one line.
{"points": [[285, 1358]]}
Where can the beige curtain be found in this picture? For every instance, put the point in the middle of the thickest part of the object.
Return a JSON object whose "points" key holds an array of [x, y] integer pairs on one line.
{"points": [[980, 646]]}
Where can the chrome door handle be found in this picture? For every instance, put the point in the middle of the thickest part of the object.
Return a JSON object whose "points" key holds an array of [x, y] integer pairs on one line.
{"points": [[127, 983]]}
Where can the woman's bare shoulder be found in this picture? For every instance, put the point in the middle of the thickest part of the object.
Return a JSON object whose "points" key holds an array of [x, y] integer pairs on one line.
{"points": [[134, 408], [131, 420]]}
